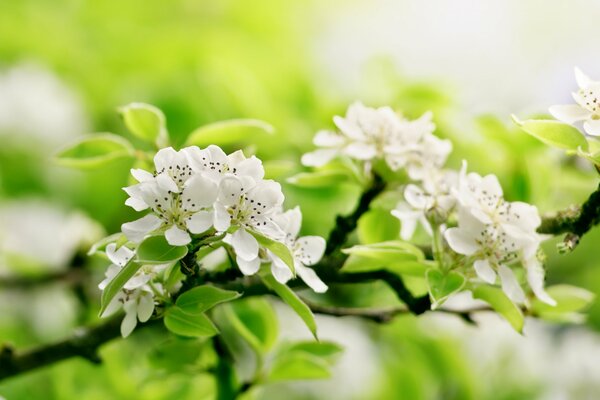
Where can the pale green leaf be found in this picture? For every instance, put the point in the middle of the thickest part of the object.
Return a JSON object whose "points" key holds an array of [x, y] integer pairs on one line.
{"points": [[376, 226], [156, 250], [569, 299], [496, 298], [555, 134], [297, 366], [94, 150], [229, 132], [202, 298], [442, 285], [278, 248], [254, 320], [191, 325], [145, 121]]}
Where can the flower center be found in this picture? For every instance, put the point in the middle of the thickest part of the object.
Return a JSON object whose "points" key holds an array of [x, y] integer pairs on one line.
{"points": [[589, 98]]}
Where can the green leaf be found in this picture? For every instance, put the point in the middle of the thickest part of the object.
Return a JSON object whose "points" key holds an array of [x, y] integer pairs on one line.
{"points": [[190, 325], [327, 351], [569, 299], [254, 320], [145, 121], [178, 354], [289, 297], [555, 134], [496, 298], [377, 226], [298, 365], [94, 150], [441, 285], [228, 132], [113, 287], [319, 179], [356, 264], [101, 244], [387, 252], [203, 298], [278, 248], [156, 250]]}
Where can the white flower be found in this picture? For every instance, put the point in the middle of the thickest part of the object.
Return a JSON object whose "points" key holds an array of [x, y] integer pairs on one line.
{"points": [[181, 201], [305, 250], [248, 205], [214, 163], [587, 107], [433, 196]]}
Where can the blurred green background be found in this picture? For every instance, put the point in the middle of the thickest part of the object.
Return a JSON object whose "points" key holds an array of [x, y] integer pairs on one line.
{"points": [[66, 65]]}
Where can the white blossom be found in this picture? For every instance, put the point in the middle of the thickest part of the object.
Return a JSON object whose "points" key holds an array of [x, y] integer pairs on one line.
{"points": [[586, 107], [305, 250]]}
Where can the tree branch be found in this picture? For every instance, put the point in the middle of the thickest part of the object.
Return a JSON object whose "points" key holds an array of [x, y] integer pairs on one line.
{"points": [[575, 221]]}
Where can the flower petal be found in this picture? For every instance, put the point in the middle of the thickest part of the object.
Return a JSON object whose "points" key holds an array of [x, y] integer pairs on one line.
{"points": [[309, 249], [177, 237], [582, 79], [360, 150], [167, 183], [222, 219], [200, 221], [251, 167], [592, 127], [461, 241], [318, 157], [510, 285], [145, 307], [244, 244], [120, 256], [279, 269], [141, 175], [485, 271], [130, 321], [569, 113], [535, 278], [310, 277], [138, 229], [328, 139], [248, 267], [198, 192]]}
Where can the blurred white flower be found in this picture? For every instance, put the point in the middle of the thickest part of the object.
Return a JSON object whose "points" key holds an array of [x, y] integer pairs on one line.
{"points": [[587, 107]]}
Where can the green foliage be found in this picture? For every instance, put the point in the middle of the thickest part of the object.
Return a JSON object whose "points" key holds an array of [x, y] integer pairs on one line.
{"points": [[292, 299], [177, 355], [146, 122], [298, 365], [94, 151], [203, 298], [395, 256], [255, 321], [496, 298], [442, 285], [156, 250], [228, 132], [570, 301], [555, 134], [278, 248], [183, 323], [376, 226]]}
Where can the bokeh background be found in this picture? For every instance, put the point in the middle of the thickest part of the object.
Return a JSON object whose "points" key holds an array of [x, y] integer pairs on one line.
{"points": [[66, 65]]}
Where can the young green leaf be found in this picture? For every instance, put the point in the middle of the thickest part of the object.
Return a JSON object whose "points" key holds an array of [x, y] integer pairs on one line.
{"points": [[191, 325], [289, 297], [376, 226], [496, 298], [229, 132], [328, 351], [156, 250], [387, 252], [278, 248], [442, 285], [94, 150], [297, 366], [113, 287], [355, 263], [569, 299], [145, 121], [254, 320], [319, 179], [555, 134], [203, 298]]}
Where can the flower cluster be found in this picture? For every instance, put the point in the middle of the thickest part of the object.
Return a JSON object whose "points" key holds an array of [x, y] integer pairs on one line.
{"points": [[587, 107], [197, 192], [369, 134]]}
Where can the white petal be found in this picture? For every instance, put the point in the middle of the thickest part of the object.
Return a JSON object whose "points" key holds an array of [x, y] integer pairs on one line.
{"points": [[199, 192], [408, 219], [266, 195], [309, 249], [222, 219], [328, 139], [248, 267], [119, 256], [130, 321], [569, 113], [136, 204], [535, 278], [167, 183], [582, 79], [145, 307], [485, 271], [461, 241], [294, 221], [138, 229], [348, 128], [251, 167], [592, 127], [200, 221], [137, 281], [177, 237], [141, 175], [318, 157], [279, 269], [244, 244], [310, 277], [231, 189], [416, 197], [164, 159], [510, 285], [360, 151], [114, 305]]}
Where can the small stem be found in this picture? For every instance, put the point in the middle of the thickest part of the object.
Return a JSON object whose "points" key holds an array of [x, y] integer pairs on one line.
{"points": [[438, 247]]}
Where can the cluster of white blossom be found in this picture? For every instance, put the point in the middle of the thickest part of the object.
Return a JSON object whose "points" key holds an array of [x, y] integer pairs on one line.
{"points": [[492, 234], [368, 134], [194, 191], [587, 107]]}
